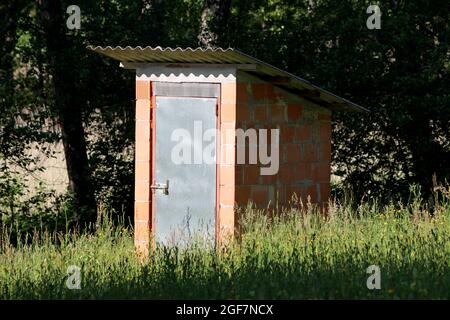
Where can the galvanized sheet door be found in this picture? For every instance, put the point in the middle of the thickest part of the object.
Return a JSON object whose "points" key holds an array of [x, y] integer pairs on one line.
{"points": [[186, 209]]}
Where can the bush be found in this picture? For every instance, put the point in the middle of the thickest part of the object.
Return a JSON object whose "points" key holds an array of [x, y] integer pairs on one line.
{"points": [[24, 210]]}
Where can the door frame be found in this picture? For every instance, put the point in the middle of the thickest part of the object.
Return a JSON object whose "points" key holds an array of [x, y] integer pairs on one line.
{"points": [[188, 90]]}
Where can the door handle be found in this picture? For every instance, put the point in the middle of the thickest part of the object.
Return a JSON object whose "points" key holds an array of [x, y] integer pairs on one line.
{"points": [[163, 186]]}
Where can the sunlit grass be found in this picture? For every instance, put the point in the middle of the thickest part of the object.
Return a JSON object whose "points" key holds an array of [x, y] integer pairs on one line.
{"points": [[300, 254]]}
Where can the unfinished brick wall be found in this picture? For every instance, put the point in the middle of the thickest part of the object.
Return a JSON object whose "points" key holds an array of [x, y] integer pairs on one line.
{"points": [[305, 152], [305, 145]]}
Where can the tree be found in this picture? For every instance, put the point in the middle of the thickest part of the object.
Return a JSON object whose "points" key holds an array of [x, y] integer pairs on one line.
{"points": [[66, 105], [213, 21], [401, 73]]}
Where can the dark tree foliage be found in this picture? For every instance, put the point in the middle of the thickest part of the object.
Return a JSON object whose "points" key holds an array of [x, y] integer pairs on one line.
{"points": [[213, 21], [400, 73], [53, 88]]}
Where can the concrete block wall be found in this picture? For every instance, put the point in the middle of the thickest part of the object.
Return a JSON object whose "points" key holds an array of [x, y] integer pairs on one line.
{"points": [[305, 145]]}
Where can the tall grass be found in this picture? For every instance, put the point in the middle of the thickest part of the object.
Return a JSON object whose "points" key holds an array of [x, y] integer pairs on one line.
{"points": [[299, 254]]}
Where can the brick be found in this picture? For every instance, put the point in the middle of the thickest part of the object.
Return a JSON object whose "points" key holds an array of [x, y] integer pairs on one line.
{"points": [[280, 195], [143, 131], [142, 248], [241, 93], [242, 195], [227, 175], [142, 89], [278, 93], [142, 231], [251, 174], [287, 173], [271, 195], [239, 175], [292, 191], [265, 91], [228, 112], [247, 151], [287, 134], [142, 151], [293, 153], [227, 217], [309, 152], [277, 113], [225, 126], [303, 133], [268, 129], [309, 191], [143, 109], [227, 133], [226, 195], [260, 113], [325, 192], [242, 113], [270, 92], [325, 151], [325, 131], [325, 117], [259, 91], [322, 172], [243, 154], [142, 211], [142, 170], [260, 195], [226, 224], [142, 191], [304, 171], [294, 112], [228, 93], [228, 154], [269, 179]]}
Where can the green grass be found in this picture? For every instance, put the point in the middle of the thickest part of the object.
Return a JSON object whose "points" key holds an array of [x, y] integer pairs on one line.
{"points": [[298, 256]]}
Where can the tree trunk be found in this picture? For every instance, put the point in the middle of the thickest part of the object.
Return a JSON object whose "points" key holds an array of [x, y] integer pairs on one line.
{"points": [[63, 70], [213, 21], [9, 13]]}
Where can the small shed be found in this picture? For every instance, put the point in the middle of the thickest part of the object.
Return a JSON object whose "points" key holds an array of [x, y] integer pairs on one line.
{"points": [[272, 139]]}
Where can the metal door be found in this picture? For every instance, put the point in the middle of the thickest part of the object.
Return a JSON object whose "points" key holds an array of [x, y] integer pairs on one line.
{"points": [[184, 193]]}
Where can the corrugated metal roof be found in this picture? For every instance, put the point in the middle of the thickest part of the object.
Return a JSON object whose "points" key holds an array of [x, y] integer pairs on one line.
{"points": [[263, 70]]}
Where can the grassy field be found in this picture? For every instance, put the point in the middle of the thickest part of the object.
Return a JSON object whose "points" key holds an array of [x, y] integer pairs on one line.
{"points": [[301, 255]]}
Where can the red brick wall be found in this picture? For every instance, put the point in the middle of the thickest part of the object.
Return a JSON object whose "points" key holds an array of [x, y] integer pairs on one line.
{"points": [[305, 145], [142, 218]]}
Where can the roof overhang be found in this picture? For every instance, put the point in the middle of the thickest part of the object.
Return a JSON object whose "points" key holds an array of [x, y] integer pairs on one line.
{"points": [[132, 57]]}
